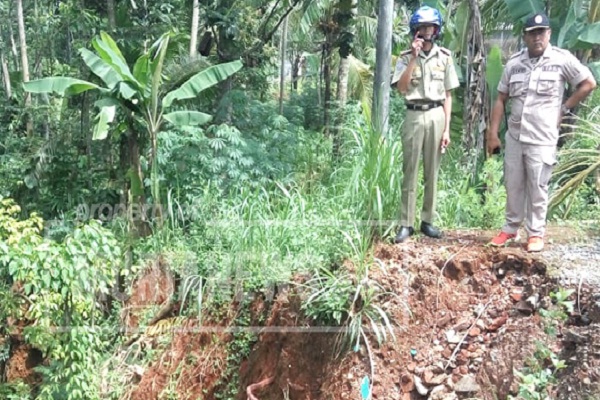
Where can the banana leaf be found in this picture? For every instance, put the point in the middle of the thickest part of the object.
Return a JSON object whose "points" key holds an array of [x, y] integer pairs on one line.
{"points": [[181, 118], [105, 48], [591, 34], [493, 72], [595, 68], [105, 117], [63, 86], [202, 80]]}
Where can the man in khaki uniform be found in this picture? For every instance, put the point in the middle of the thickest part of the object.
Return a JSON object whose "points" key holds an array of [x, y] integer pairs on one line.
{"points": [[534, 80], [424, 75]]}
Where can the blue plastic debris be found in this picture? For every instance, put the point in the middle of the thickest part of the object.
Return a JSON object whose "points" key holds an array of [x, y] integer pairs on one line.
{"points": [[365, 388]]}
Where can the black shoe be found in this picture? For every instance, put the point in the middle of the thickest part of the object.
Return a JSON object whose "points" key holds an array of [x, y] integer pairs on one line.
{"points": [[403, 234], [430, 230]]}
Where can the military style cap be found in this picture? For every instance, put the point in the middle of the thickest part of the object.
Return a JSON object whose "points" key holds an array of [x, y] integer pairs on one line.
{"points": [[537, 21]]}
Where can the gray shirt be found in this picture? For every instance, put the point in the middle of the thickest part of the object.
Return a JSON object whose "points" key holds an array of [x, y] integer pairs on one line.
{"points": [[536, 92]]}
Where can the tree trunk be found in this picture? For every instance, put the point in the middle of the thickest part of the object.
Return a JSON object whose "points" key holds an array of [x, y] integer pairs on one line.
{"points": [[5, 68], [327, 50], [138, 215], [383, 56], [110, 10], [342, 94], [86, 132], [194, 31], [157, 214], [475, 110], [13, 48], [283, 49], [5, 75], [345, 17], [24, 63], [22, 41], [296, 71], [342, 86]]}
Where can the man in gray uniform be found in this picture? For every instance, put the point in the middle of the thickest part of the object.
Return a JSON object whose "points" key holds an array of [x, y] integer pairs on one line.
{"points": [[424, 75], [534, 80]]}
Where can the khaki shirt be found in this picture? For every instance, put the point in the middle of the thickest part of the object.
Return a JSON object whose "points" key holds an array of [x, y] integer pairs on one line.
{"points": [[536, 92], [433, 75]]}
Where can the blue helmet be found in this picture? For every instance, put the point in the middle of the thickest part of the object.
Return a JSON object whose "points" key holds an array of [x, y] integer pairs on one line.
{"points": [[426, 15]]}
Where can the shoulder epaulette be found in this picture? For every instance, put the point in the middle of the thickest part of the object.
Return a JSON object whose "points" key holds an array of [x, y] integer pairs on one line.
{"points": [[445, 51], [562, 51], [405, 52], [517, 54]]}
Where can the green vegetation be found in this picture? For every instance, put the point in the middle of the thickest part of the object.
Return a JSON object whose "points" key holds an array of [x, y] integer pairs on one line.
{"points": [[541, 369]]}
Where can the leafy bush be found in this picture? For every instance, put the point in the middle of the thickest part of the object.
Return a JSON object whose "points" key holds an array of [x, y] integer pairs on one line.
{"points": [[256, 147], [272, 141], [18, 390], [303, 110], [53, 176], [60, 281]]}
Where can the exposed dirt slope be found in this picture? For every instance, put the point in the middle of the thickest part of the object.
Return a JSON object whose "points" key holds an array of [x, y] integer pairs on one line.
{"points": [[472, 324], [466, 317]]}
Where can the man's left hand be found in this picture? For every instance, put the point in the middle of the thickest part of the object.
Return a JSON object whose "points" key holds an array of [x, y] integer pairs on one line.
{"points": [[445, 142]]}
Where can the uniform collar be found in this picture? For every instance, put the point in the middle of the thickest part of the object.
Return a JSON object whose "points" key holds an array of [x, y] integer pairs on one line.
{"points": [[434, 50]]}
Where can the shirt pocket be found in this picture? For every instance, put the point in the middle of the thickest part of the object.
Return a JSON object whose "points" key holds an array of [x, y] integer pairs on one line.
{"points": [[548, 84], [416, 77], [516, 85], [437, 81]]}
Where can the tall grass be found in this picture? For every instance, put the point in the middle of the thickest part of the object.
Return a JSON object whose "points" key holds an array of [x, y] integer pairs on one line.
{"points": [[370, 178]]}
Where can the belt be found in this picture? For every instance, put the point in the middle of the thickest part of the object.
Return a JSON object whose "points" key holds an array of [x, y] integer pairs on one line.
{"points": [[423, 106]]}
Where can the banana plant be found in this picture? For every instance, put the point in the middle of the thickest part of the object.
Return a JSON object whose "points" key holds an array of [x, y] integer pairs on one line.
{"points": [[140, 91]]}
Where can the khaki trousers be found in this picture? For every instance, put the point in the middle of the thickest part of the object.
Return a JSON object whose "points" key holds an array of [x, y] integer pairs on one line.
{"points": [[527, 171], [421, 134]]}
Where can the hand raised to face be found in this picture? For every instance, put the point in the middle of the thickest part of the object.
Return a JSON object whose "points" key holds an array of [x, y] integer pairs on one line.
{"points": [[417, 45]]}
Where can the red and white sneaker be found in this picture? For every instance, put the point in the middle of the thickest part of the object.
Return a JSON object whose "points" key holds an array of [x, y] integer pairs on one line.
{"points": [[535, 244], [503, 239]]}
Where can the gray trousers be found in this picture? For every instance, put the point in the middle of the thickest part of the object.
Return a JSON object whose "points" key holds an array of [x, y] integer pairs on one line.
{"points": [[421, 134], [527, 171]]}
